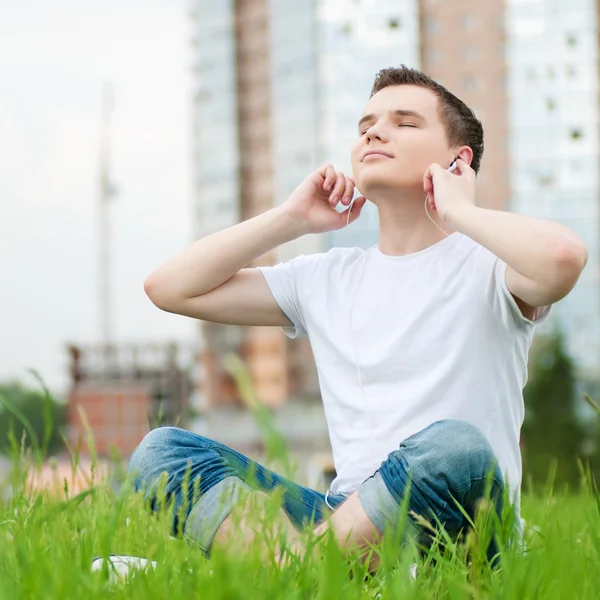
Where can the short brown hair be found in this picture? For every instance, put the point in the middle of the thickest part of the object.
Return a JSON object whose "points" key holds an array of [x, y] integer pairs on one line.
{"points": [[462, 126]]}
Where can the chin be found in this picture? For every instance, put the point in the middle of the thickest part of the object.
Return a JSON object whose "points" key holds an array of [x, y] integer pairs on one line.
{"points": [[374, 181]]}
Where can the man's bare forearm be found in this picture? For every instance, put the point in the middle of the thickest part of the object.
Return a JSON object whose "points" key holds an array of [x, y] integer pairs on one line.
{"points": [[211, 261]]}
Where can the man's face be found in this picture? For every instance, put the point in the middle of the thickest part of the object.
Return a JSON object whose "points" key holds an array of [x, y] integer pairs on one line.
{"points": [[402, 123]]}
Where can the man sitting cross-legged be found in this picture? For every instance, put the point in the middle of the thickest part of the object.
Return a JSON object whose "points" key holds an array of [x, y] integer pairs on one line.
{"points": [[420, 342]]}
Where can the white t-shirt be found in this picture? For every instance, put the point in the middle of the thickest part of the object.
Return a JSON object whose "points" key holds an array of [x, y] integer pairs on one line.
{"points": [[403, 341]]}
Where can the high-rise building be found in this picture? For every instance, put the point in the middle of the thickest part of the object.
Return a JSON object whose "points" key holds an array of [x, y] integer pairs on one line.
{"points": [[552, 50], [463, 47], [280, 85]]}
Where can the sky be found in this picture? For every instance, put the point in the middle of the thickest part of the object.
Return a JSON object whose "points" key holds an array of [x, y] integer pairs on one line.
{"points": [[54, 58]]}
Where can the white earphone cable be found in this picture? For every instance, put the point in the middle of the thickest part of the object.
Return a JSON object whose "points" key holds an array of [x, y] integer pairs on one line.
{"points": [[430, 218], [355, 294], [349, 211], [355, 347]]}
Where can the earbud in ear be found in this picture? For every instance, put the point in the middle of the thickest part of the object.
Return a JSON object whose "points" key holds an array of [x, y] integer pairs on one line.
{"points": [[452, 167]]}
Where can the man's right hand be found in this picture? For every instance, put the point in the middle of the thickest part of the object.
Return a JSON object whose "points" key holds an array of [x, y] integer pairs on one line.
{"points": [[312, 204], [210, 280]]}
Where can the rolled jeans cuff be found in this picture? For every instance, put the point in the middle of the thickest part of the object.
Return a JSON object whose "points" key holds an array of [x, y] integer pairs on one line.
{"points": [[212, 509], [384, 511]]}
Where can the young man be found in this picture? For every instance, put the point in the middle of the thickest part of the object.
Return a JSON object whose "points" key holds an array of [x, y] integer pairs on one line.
{"points": [[420, 343]]}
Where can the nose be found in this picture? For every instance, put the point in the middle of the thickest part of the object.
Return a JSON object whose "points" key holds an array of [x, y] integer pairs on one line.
{"points": [[375, 132]]}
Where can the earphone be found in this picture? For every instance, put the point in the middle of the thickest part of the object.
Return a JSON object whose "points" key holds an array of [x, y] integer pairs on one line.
{"points": [[354, 346]]}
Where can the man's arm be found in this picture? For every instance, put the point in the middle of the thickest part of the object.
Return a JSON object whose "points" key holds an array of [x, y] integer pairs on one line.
{"points": [[209, 279], [544, 258]]}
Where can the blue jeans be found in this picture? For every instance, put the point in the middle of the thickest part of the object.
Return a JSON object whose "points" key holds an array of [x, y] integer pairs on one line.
{"points": [[448, 462]]}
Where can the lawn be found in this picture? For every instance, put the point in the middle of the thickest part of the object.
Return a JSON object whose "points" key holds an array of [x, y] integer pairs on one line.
{"points": [[49, 543]]}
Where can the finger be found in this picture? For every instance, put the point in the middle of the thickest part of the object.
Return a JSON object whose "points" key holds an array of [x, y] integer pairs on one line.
{"points": [[464, 167], [338, 189], [434, 168], [356, 208], [428, 182], [330, 177], [348, 191], [430, 201]]}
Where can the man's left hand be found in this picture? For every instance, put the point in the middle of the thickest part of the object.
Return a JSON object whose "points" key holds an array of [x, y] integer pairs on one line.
{"points": [[449, 192]]}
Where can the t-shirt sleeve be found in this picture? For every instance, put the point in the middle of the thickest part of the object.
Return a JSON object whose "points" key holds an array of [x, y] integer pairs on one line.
{"points": [[492, 272], [287, 282]]}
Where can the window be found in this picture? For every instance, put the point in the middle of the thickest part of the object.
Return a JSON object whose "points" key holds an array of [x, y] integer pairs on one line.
{"points": [[468, 22], [432, 25], [571, 72], [546, 179], [394, 23], [576, 134], [550, 104], [470, 53], [347, 28], [550, 73], [471, 83], [530, 74], [571, 40], [434, 57]]}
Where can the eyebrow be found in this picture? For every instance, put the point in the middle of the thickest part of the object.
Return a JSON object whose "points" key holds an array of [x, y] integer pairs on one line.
{"points": [[397, 113]]}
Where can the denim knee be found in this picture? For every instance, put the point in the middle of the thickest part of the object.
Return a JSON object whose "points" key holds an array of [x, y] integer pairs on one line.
{"points": [[448, 462], [149, 459]]}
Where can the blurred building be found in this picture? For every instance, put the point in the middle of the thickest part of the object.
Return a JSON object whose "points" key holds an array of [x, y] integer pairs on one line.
{"points": [[554, 142], [279, 85], [119, 391]]}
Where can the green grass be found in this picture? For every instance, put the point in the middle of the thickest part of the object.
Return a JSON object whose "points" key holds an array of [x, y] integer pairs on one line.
{"points": [[47, 546], [48, 542]]}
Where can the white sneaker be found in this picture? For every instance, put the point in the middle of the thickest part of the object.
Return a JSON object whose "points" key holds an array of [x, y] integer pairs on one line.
{"points": [[119, 566]]}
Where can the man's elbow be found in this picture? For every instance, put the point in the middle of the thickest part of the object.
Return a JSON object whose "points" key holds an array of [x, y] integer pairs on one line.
{"points": [[157, 291], [570, 258]]}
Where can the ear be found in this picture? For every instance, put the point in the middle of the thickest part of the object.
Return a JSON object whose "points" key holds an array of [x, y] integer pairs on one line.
{"points": [[465, 154]]}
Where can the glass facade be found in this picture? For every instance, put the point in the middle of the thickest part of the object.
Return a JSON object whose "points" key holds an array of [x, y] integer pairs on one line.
{"points": [[216, 174], [552, 55], [294, 104], [325, 55], [356, 40], [294, 92]]}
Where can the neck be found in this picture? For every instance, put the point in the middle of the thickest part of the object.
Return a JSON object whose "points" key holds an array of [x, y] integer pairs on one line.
{"points": [[405, 228]]}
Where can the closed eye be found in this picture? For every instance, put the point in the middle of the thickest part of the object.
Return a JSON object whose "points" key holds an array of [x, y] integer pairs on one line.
{"points": [[399, 125]]}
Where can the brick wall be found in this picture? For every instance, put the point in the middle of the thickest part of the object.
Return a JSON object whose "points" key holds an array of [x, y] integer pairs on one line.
{"points": [[117, 415]]}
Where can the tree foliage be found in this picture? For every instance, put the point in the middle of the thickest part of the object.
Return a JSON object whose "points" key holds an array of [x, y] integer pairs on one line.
{"points": [[33, 412], [552, 436]]}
